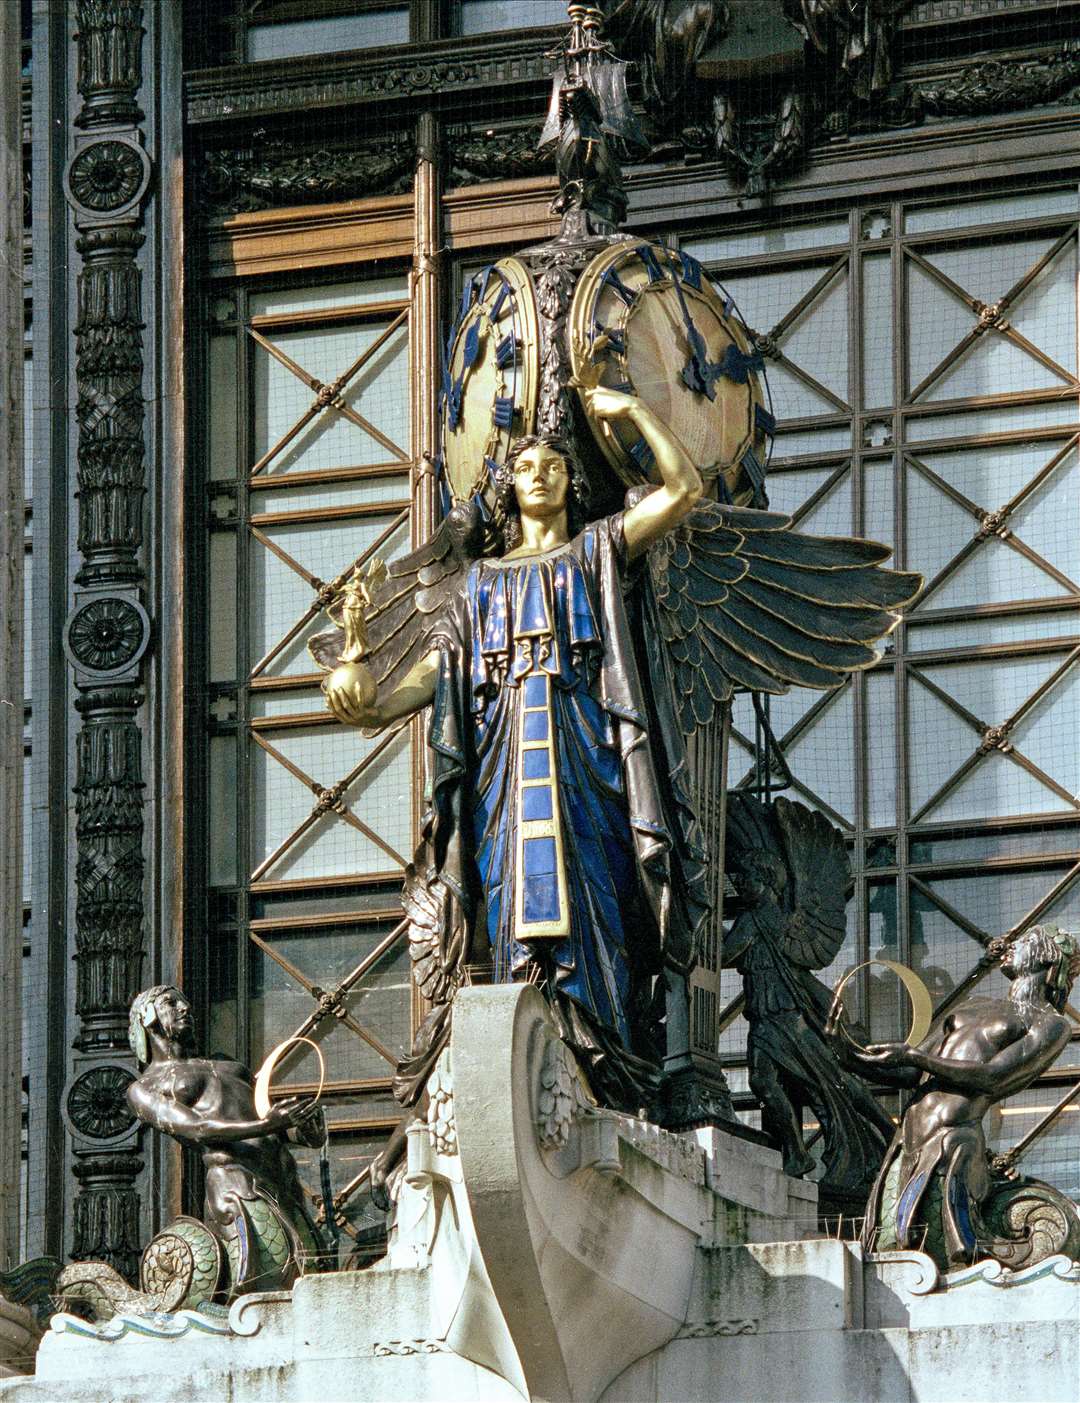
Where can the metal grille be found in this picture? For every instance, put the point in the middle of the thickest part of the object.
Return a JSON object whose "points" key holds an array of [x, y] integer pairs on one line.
{"points": [[310, 456], [923, 365]]}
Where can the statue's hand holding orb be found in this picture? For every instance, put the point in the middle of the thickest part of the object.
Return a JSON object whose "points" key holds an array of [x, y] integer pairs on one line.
{"points": [[350, 691]]}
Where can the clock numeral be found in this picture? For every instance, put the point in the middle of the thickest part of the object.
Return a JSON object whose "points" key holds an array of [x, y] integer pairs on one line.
{"points": [[649, 259], [612, 280], [691, 269], [485, 277], [502, 412], [615, 337], [764, 420], [756, 473], [467, 294], [496, 307], [493, 469], [642, 455], [506, 352]]}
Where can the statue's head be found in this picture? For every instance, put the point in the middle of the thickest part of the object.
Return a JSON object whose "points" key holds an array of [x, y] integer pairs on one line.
{"points": [[164, 1007], [541, 478], [1045, 948]]}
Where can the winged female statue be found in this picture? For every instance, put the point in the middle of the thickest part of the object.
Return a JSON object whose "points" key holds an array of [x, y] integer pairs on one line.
{"points": [[564, 671], [790, 870]]}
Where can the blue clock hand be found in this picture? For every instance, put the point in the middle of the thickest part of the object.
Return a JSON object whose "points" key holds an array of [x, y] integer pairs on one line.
{"points": [[698, 373]]}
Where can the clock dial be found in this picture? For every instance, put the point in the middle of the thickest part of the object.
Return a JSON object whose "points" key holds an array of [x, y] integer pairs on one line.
{"points": [[489, 386], [646, 320]]}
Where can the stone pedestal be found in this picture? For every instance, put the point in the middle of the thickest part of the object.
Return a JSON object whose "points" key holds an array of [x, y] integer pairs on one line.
{"points": [[540, 1247], [544, 1249], [19, 1335]]}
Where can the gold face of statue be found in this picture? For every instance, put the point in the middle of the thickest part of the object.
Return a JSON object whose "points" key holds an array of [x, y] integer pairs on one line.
{"points": [[541, 482]]}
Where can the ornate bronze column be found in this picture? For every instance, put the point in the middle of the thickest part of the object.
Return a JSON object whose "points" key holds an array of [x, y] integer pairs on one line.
{"points": [[12, 687], [108, 630]]}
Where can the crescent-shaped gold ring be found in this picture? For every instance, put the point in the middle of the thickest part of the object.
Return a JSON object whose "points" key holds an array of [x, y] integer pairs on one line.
{"points": [[922, 1006], [266, 1071]]}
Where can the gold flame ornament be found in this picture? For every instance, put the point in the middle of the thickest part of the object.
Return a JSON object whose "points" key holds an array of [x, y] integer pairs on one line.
{"points": [[266, 1071], [922, 1006]]}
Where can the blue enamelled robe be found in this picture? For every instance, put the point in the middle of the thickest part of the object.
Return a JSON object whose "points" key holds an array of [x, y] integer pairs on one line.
{"points": [[549, 829]]}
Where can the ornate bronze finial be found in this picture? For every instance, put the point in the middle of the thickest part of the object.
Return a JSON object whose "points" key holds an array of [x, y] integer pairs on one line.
{"points": [[591, 126]]}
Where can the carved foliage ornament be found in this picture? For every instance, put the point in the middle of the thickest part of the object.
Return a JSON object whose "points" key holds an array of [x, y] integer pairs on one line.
{"points": [[238, 181], [107, 634], [109, 59], [108, 176], [97, 1103]]}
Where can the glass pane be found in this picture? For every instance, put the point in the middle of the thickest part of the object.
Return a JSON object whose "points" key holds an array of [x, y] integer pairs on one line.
{"points": [[1048, 733], [782, 238], [380, 1002], [877, 330], [329, 35], [487, 16], [1064, 838], [381, 797], [818, 340], [1055, 1155], [223, 418], [973, 633], [363, 492], [997, 210], [378, 392], [823, 757], [887, 999], [942, 952], [937, 321], [878, 502], [223, 1033], [222, 632], [792, 398], [733, 1037], [222, 815], [806, 441], [1045, 312], [28, 427], [938, 742], [764, 297], [832, 515], [1048, 519], [1008, 419], [788, 490], [881, 750], [280, 596], [996, 902], [328, 297]]}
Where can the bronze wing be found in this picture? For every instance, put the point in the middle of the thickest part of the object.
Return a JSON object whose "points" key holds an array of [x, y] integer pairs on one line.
{"points": [[791, 838], [744, 602], [403, 608], [820, 869]]}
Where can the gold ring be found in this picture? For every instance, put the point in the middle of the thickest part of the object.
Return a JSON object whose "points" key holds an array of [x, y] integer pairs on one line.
{"points": [[266, 1071], [922, 1006]]}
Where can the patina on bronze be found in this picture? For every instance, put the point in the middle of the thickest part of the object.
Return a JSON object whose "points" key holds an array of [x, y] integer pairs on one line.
{"points": [[256, 1233], [568, 647], [790, 869], [937, 1188]]}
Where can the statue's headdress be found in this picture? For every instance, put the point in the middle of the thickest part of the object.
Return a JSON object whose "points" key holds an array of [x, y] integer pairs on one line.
{"points": [[1059, 952], [140, 1017]]}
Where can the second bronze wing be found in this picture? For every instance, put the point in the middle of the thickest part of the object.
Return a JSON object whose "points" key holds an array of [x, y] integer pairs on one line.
{"points": [[745, 602]]}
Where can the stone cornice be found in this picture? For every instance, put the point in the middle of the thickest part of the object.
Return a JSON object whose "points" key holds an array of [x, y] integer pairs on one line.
{"points": [[447, 66]]}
